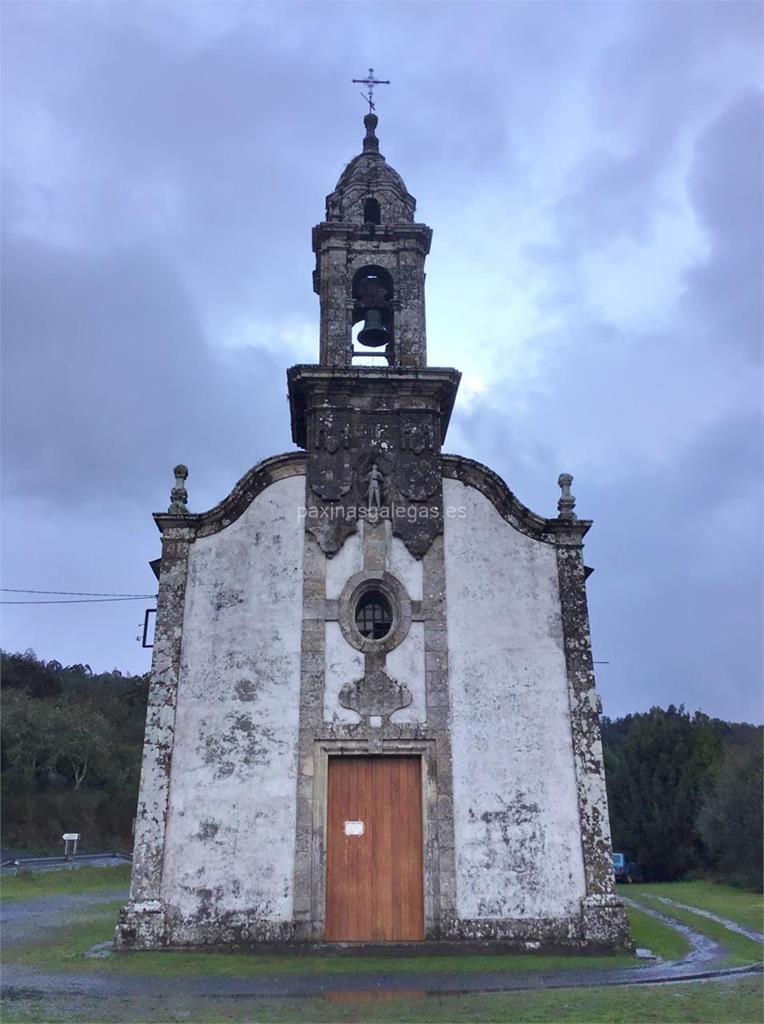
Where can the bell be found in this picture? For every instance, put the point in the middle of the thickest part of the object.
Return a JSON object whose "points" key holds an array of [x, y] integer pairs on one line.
{"points": [[374, 332]]}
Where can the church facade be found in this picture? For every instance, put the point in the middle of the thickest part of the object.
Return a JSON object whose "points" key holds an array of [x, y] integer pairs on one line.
{"points": [[372, 715]]}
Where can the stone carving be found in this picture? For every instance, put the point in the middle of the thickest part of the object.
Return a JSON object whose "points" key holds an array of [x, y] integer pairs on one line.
{"points": [[331, 437], [179, 494], [374, 497], [369, 458], [330, 477], [416, 477], [416, 436], [567, 502], [375, 694]]}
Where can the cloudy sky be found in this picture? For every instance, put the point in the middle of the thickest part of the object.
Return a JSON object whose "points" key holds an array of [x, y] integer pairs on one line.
{"points": [[592, 175]]}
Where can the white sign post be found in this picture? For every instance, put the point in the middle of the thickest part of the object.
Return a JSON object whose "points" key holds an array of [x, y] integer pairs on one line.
{"points": [[70, 843]]}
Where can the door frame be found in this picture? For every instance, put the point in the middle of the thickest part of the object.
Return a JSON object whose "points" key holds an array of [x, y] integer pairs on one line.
{"points": [[423, 749]]}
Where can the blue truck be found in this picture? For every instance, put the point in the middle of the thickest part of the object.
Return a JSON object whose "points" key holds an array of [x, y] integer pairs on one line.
{"points": [[625, 870]]}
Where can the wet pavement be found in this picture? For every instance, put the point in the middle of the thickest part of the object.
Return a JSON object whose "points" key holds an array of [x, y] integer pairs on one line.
{"points": [[29, 920]]}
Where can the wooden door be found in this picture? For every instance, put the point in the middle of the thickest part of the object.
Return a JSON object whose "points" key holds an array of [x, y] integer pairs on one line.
{"points": [[374, 885]]}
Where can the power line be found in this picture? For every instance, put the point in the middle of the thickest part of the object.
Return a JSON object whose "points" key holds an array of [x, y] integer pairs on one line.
{"points": [[69, 593], [87, 600]]}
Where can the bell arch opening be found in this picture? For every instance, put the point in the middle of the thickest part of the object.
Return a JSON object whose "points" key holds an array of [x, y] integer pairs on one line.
{"points": [[372, 212], [373, 293]]}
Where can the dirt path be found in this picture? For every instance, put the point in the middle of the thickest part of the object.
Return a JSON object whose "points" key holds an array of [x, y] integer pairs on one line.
{"points": [[703, 950], [731, 926]]}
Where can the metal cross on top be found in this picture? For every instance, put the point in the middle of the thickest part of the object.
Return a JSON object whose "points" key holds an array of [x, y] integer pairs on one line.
{"points": [[370, 81]]}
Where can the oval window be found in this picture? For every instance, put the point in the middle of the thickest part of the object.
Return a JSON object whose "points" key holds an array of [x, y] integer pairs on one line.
{"points": [[373, 615]]}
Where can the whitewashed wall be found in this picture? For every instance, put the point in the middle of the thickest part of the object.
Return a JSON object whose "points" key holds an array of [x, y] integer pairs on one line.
{"points": [[518, 847], [231, 826], [346, 563], [402, 564], [344, 664], [405, 664]]}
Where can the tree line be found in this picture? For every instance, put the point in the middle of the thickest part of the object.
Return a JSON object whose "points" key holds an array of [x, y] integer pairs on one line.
{"points": [[685, 795], [71, 754], [685, 791]]}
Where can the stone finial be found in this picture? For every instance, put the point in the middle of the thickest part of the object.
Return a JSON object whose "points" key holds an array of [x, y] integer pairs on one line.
{"points": [[179, 494], [567, 502], [371, 142]]}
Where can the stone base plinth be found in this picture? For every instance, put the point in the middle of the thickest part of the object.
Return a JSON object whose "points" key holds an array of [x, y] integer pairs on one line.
{"points": [[601, 927], [604, 923]]}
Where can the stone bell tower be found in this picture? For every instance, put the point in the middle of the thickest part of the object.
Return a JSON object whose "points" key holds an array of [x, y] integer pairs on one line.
{"points": [[359, 420], [370, 257]]}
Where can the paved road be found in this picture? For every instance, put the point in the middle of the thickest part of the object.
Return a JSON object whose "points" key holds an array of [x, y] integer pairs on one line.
{"points": [[31, 919], [12, 866]]}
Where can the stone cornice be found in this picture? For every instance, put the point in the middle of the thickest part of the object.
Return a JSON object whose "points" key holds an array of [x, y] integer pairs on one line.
{"points": [[397, 385], [343, 232], [560, 532], [262, 475]]}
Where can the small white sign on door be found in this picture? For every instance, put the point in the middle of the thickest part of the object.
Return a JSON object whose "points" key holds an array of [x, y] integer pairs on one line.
{"points": [[353, 828]]}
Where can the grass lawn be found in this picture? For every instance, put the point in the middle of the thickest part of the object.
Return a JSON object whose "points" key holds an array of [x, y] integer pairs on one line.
{"points": [[726, 1002], [28, 884], [745, 908]]}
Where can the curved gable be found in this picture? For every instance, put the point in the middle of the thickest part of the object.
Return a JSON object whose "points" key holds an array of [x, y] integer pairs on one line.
{"points": [[227, 511], [475, 474]]}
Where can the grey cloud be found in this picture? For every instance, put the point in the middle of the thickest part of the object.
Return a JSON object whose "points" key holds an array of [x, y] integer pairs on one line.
{"points": [[651, 90], [655, 79], [114, 381], [726, 187], [609, 196], [676, 603]]}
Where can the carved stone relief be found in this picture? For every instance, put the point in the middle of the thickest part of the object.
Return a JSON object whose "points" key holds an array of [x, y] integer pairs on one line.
{"points": [[374, 463], [375, 695]]}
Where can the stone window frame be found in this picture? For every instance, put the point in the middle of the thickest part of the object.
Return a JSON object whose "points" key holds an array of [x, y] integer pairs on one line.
{"points": [[395, 592], [425, 750]]}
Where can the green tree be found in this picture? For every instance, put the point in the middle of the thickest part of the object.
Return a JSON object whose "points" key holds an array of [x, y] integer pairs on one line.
{"points": [[29, 741], [658, 777], [72, 742], [730, 821], [84, 740], [26, 673]]}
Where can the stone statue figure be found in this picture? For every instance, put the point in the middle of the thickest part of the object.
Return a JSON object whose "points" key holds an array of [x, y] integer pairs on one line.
{"points": [[374, 499]]}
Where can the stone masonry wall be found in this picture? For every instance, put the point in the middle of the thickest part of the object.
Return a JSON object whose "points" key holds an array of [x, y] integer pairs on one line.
{"points": [[229, 846], [518, 840]]}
